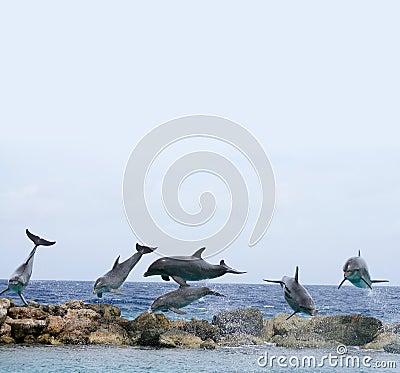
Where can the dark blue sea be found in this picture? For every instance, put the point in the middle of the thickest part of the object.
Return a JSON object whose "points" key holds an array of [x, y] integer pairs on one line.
{"points": [[382, 302]]}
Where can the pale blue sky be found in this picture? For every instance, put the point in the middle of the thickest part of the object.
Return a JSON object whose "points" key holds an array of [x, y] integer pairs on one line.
{"points": [[317, 83]]}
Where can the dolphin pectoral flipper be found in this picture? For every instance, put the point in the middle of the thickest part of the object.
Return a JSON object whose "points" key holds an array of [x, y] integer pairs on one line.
{"points": [[180, 312], [342, 282], [165, 278], [366, 282], [292, 315], [116, 291], [39, 241], [276, 282], [5, 290], [215, 293], [23, 298], [180, 281]]}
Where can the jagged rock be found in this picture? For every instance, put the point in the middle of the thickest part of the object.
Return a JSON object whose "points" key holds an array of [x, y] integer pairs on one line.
{"points": [[56, 310], [21, 328], [74, 337], [236, 340], [29, 339], [244, 321], [304, 341], [393, 348], [295, 325], [47, 339], [112, 334], [105, 310], [54, 325], [350, 330], [147, 328], [5, 303], [3, 315], [79, 323], [27, 313], [75, 304], [209, 344], [382, 340], [202, 329], [267, 331], [5, 330], [7, 339], [34, 304], [179, 339]]}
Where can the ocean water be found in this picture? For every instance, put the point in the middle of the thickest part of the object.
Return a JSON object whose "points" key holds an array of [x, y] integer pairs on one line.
{"points": [[382, 302]]}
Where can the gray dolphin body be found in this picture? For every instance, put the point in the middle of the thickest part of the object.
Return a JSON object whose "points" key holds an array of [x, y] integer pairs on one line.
{"points": [[20, 278], [188, 268], [114, 278], [356, 271], [296, 296], [181, 297]]}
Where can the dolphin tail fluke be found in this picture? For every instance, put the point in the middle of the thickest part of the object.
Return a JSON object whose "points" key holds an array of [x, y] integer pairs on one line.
{"points": [[291, 315], [39, 241], [4, 291], [342, 283], [144, 249], [23, 299], [229, 269]]}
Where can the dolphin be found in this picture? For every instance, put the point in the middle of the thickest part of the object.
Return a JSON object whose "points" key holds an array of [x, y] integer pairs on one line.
{"points": [[356, 271], [114, 278], [20, 278], [181, 297], [296, 296], [188, 268]]}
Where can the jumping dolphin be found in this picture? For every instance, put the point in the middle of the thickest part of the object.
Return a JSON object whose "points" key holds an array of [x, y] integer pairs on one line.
{"points": [[296, 296], [181, 297], [114, 278], [356, 271], [21, 276], [188, 268]]}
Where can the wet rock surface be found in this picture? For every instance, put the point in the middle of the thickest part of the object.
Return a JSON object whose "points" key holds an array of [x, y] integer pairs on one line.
{"points": [[78, 323]]}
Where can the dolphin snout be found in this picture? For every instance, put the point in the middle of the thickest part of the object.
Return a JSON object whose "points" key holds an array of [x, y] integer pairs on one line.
{"points": [[146, 274]]}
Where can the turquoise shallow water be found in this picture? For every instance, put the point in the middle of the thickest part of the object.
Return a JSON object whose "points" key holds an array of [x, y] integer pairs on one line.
{"points": [[383, 303], [34, 359]]}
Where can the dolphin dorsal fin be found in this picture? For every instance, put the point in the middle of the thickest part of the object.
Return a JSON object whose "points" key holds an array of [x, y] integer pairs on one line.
{"points": [[198, 253], [222, 263], [359, 252], [296, 275], [116, 262]]}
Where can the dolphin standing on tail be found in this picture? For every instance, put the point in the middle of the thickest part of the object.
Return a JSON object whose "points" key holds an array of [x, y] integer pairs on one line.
{"points": [[181, 297], [356, 271], [188, 268], [114, 278], [296, 296], [21, 276]]}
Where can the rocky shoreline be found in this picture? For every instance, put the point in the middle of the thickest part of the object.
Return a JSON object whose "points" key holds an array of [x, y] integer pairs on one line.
{"points": [[77, 323]]}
